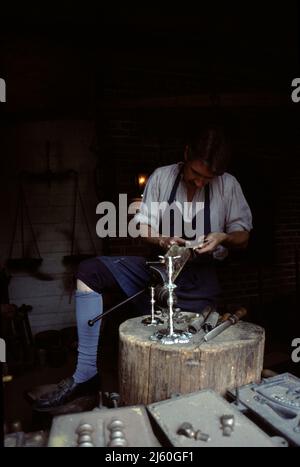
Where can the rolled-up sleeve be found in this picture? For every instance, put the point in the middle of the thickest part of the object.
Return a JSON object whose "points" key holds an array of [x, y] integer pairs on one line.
{"points": [[148, 213], [238, 214]]}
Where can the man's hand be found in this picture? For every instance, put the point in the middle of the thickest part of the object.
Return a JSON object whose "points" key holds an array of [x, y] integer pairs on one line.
{"points": [[234, 240], [167, 242], [153, 237], [211, 242]]}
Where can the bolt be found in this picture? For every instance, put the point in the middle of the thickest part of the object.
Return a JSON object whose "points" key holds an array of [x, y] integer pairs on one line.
{"points": [[84, 428], [187, 430], [84, 439], [118, 442], [116, 434], [199, 436], [227, 422], [115, 425]]}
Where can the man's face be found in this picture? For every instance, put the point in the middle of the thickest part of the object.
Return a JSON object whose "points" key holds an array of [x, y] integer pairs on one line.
{"points": [[196, 174]]}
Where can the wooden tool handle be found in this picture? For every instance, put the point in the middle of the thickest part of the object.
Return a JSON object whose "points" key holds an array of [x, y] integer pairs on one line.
{"points": [[225, 317], [239, 314]]}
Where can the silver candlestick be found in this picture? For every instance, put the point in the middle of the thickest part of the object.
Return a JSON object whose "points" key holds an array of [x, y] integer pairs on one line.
{"points": [[153, 320], [169, 336], [171, 288]]}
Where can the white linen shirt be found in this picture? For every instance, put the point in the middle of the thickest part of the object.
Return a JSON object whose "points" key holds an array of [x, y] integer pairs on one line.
{"points": [[229, 210]]}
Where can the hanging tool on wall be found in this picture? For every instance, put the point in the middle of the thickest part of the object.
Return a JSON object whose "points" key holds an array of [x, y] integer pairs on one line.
{"points": [[78, 201], [25, 261]]}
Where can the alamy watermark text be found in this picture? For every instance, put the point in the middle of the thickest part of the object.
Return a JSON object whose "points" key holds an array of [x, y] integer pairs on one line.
{"points": [[2, 351], [175, 219], [2, 90], [296, 352]]}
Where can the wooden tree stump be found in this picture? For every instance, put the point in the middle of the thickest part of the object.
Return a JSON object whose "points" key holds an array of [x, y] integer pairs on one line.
{"points": [[150, 372]]}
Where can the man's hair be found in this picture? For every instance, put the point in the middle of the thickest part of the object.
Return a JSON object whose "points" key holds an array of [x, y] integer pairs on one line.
{"points": [[211, 147]]}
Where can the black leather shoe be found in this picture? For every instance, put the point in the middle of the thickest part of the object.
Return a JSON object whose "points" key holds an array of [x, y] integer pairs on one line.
{"points": [[67, 390]]}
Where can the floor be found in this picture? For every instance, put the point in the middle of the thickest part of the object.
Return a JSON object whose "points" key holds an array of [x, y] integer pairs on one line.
{"points": [[25, 377]]}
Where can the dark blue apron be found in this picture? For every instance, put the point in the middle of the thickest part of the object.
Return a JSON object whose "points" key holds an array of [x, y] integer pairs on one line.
{"points": [[197, 284]]}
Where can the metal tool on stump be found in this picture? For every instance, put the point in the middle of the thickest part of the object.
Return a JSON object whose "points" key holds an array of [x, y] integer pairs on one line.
{"points": [[230, 321]]}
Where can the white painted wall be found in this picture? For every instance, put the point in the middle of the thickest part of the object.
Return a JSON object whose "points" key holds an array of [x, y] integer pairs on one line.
{"points": [[23, 147]]}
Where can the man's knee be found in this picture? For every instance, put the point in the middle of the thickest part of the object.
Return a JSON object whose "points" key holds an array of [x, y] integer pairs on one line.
{"points": [[93, 275], [82, 287], [87, 267], [86, 275]]}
